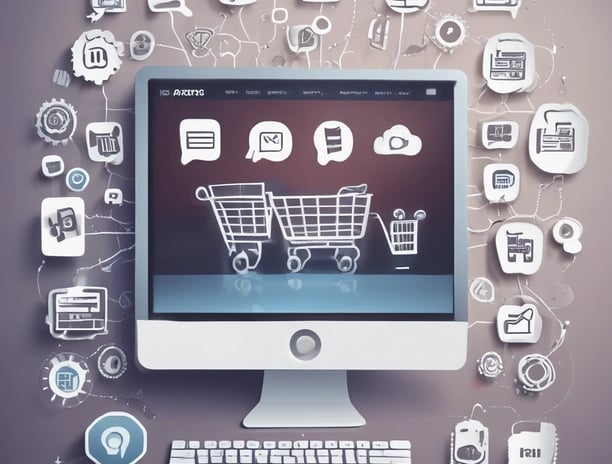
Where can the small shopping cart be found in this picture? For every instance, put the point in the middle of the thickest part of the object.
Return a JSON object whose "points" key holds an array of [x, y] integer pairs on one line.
{"points": [[244, 218], [402, 236], [330, 222]]}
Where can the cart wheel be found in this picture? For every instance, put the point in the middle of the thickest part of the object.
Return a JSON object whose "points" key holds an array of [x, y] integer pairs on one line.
{"points": [[294, 264], [240, 262], [346, 264]]}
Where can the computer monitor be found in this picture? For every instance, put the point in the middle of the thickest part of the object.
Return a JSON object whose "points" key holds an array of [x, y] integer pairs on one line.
{"points": [[301, 222]]}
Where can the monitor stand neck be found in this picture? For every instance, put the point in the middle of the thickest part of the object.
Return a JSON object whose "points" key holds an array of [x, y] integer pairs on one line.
{"points": [[304, 398]]}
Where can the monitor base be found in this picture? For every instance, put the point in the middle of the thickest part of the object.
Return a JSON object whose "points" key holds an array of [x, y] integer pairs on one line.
{"points": [[296, 398]]}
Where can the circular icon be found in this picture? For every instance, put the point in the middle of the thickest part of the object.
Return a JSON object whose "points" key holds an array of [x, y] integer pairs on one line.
{"points": [[142, 44], [56, 122], [66, 380], [490, 365], [450, 32], [321, 25], [536, 373], [112, 362], [115, 438], [77, 179]]}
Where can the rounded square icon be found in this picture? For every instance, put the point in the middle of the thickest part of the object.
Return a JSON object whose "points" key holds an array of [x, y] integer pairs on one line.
{"points": [[497, 135], [502, 182], [519, 324], [508, 64], [200, 140], [105, 142], [520, 247], [115, 438], [407, 6], [113, 196], [62, 226], [559, 139], [512, 6], [52, 166]]}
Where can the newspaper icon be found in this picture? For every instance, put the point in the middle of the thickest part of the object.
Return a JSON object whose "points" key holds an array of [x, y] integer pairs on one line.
{"points": [[77, 313]]}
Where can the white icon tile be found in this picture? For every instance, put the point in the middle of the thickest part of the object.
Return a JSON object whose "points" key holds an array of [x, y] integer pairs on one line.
{"points": [[508, 64], [398, 140], [519, 324], [502, 182], [559, 139], [271, 141], [520, 246], [333, 141], [200, 140], [62, 226]]}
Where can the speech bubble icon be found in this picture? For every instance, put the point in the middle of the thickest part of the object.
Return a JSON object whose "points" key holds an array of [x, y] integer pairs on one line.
{"points": [[398, 140], [512, 6], [200, 140], [333, 141], [270, 140]]}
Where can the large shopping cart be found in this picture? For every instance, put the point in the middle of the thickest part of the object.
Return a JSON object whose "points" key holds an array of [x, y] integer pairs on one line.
{"points": [[244, 219], [330, 222]]}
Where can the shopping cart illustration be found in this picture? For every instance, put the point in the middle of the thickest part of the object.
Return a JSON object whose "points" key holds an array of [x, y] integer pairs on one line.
{"points": [[402, 236], [244, 218], [332, 222]]}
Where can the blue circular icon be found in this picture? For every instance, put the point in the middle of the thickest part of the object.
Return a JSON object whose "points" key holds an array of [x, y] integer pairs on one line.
{"points": [[77, 179], [115, 438]]}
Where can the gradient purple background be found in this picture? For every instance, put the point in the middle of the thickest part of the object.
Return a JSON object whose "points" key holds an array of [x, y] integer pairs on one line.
{"points": [[424, 407]]}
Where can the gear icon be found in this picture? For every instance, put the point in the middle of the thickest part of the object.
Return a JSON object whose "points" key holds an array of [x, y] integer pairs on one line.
{"points": [[96, 56], [65, 378], [450, 32], [56, 121]]}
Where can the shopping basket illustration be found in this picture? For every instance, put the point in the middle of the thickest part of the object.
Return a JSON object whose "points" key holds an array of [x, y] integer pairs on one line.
{"points": [[402, 236], [244, 219], [331, 222]]}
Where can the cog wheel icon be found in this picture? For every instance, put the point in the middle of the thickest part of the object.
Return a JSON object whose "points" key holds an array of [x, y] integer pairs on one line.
{"points": [[96, 56], [450, 32], [56, 121], [65, 380]]}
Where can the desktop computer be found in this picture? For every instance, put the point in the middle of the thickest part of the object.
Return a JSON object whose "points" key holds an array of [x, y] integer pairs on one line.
{"points": [[304, 223]]}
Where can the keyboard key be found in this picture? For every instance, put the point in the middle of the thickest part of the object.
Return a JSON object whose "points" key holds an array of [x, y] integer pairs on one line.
{"points": [[225, 444], [380, 445], [300, 444], [285, 445], [182, 461], [316, 444], [269, 444], [363, 444], [331, 444], [238, 444], [179, 444], [399, 444], [182, 453], [210, 444], [194, 444], [346, 444], [252, 444]]}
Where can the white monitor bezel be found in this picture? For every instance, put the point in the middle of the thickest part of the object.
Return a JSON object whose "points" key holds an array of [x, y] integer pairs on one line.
{"points": [[266, 344]]}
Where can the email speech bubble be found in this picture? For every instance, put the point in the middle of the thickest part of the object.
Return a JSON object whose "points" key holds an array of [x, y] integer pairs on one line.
{"points": [[270, 140], [512, 6], [200, 140], [333, 141], [398, 140], [559, 139]]}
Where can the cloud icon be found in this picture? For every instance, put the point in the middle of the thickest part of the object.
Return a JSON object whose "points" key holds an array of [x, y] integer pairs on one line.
{"points": [[398, 141]]}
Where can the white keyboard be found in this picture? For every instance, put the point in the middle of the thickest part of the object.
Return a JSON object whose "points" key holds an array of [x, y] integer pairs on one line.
{"points": [[290, 452]]}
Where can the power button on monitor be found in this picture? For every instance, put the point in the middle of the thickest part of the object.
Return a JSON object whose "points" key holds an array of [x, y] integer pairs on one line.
{"points": [[305, 345]]}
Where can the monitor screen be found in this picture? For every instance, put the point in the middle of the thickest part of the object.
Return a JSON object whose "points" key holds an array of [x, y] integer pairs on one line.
{"points": [[300, 219], [288, 198]]}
